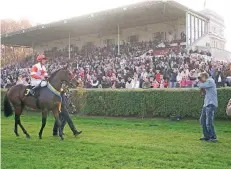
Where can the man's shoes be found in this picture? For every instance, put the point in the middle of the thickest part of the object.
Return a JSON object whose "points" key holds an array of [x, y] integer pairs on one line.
{"points": [[204, 139], [213, 139], [76, 133], [55, 134]]}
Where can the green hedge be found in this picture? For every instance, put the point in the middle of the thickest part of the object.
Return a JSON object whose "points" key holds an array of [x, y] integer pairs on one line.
{"points": [[145, 103]]}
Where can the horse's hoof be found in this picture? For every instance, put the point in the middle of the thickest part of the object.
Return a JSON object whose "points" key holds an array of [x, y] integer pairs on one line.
{"points": [[28, 136], [40, 136], [16, 133]]}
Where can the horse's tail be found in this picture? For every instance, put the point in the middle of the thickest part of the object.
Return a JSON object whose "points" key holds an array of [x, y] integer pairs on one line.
{"points": [[8, 111]]}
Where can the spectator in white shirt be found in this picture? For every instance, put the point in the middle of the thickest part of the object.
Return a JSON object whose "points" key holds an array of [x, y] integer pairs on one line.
{"points": [[129, 83], [135, 83]]}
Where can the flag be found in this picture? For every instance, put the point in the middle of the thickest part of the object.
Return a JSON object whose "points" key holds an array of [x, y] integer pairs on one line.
{"points": [[205, 3]]}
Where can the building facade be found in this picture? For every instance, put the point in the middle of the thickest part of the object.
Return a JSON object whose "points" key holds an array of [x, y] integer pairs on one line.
{"points": [[216, 27]]}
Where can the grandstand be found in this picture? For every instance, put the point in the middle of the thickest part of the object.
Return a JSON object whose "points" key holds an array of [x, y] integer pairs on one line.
{"points": [[145, 21]]}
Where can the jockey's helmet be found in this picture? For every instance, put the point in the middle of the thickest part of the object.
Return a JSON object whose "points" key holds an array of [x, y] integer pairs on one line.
{"points": [[41, 57]]}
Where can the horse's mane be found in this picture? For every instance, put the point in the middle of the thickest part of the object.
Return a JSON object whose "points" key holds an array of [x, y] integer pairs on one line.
{"points": [[54, 73]]}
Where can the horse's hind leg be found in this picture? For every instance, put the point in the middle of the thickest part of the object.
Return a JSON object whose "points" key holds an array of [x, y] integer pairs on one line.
{"points": [[23, 129], [44, 120], [16, 125], [18, 112]]}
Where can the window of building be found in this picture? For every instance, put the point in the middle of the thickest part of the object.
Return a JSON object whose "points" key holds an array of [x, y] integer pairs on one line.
{"points": [[133, 38], [196, 28], [199, 27], [88, 45], [213, 43], [206, 27], [159, 35], [203, 27], [192, 29], [214, 29], [109, 42]]}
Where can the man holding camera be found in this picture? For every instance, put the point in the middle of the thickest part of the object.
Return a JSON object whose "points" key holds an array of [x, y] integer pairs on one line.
{"points": [[210, 103]]}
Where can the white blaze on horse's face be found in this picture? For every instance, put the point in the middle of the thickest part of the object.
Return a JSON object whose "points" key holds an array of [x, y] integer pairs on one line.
{"points": [[65, 87]]}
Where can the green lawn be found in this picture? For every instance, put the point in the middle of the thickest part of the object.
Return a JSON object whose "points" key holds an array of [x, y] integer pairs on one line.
{"points": [[121, 143]]}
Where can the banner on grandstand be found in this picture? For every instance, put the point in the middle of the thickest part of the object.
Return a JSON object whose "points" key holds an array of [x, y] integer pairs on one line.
{"points": [[160, 51], [165, 51], [147, 54]]}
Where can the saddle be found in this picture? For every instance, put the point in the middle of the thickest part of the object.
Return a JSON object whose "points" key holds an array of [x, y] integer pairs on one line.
{"points": [[36, 94], [36, 91]]}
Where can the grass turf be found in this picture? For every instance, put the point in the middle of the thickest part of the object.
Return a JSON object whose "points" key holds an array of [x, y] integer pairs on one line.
{"points": [[121, 143]]}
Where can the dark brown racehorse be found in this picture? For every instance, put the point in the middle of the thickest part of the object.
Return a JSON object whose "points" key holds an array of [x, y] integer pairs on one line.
{"points": [[47, 100]]}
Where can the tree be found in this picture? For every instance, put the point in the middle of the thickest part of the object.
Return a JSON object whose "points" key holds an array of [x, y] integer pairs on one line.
{"points": [[10, 54], [9, 25]]}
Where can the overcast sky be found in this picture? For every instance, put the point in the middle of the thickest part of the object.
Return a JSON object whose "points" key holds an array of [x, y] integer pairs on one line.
{"points": [[44, 11]]}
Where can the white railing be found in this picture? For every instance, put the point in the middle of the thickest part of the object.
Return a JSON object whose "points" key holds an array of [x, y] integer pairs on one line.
{"points": [[198, 39], [217, 54]]}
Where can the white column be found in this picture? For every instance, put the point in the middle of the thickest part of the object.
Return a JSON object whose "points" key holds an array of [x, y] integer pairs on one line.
{"points": [[186, 31], [118, 40], [69, 46]]}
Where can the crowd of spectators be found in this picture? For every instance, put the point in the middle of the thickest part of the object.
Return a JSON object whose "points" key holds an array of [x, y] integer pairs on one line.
{"points": [[135, 67]]}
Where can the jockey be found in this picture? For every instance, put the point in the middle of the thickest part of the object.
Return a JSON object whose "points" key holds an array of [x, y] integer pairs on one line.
{"points": [[38, 74]]}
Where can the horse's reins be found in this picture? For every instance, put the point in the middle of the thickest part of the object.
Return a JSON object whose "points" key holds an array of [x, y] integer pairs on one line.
{"points": [[58, 93], [72, 78]]}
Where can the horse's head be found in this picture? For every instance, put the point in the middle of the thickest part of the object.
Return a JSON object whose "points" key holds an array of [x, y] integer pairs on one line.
{"points": [[64, 75]]}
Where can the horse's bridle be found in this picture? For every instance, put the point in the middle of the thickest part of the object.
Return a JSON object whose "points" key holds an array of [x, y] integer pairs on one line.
{"points": [[72, 79], [66, 84]]}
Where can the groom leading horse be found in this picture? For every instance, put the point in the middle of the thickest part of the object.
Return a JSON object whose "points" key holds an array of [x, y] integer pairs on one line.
{"points": [[46, 98], [64, 115]]}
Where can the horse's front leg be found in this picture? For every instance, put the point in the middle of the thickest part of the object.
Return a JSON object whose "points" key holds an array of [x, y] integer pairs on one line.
{"points": [[44, 121], [56, 115]]}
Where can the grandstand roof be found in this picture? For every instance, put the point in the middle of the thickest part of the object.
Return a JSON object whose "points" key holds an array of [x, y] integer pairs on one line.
{"points": [[105, 22]]}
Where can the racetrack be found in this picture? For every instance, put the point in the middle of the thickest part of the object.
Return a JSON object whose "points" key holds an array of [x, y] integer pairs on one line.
{"points": [[115, 143]]}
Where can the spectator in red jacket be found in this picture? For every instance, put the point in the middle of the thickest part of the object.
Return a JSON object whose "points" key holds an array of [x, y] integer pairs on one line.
{"points": [[158, 76]]}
